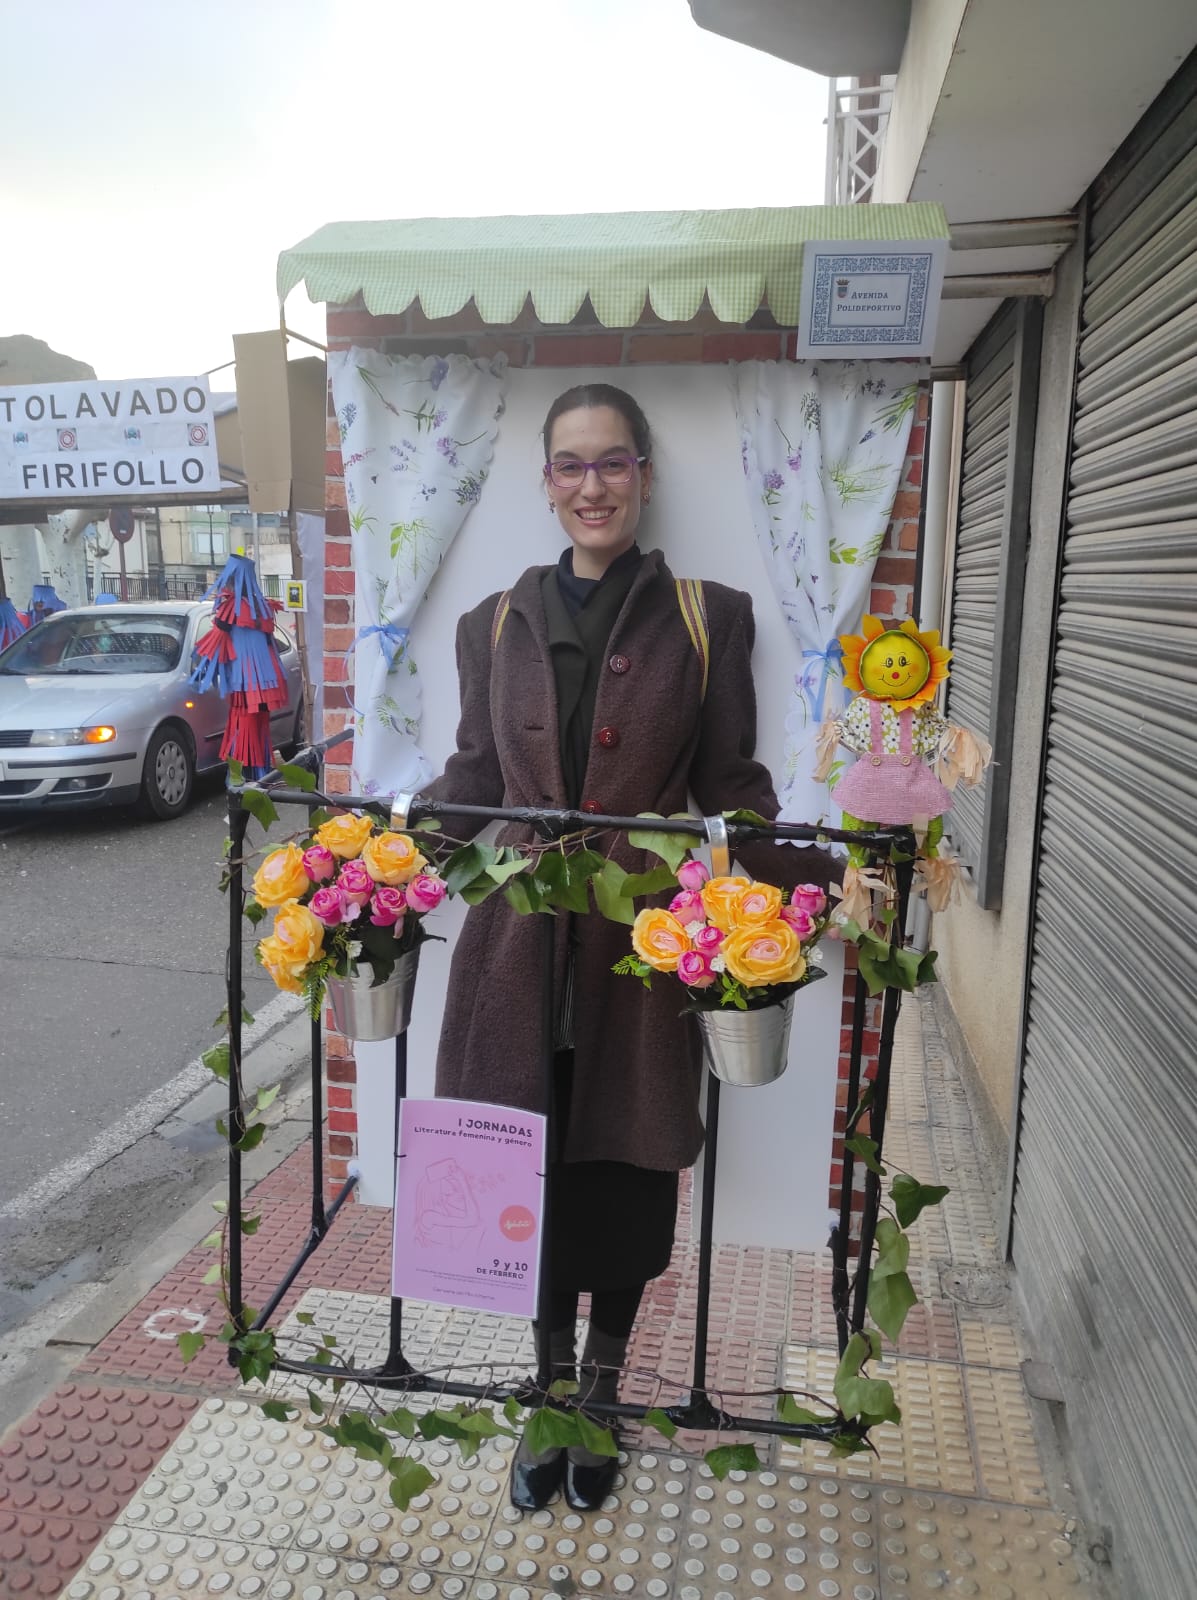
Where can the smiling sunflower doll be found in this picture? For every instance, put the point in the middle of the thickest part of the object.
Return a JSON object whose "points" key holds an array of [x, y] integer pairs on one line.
{"points": [[909, 757]]}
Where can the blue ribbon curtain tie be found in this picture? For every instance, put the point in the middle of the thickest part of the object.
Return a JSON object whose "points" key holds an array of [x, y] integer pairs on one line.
{"points": [[823, 664], [392, 641]]}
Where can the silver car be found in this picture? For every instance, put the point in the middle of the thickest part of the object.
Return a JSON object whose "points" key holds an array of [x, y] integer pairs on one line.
{"points": [[95, 709]]}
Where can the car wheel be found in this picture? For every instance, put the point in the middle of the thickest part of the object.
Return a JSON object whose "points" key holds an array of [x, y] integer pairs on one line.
{"points": [[168, 774]]}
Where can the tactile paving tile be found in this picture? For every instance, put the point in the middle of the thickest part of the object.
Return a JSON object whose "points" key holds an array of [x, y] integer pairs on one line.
{"points": [[932, 1448], [988, 1344], [38, 1553], [660, 1364], [163, 1566], [937, 1544], [1007, 1451], [233, 1475], [630, 1546], [361, 1325], [86, 1447], [444, 1529], [779, 1532]]}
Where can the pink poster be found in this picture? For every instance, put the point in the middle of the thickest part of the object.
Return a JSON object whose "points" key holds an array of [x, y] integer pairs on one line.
{"points": [[469, 1197]]}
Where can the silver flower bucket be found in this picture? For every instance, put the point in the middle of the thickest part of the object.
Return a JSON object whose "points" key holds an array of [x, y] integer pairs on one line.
{"points": [[747, 1048], [364, 1010]]}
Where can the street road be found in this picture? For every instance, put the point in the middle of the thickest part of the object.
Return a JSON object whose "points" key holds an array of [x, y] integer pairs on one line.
{"points": [[112, 952]]}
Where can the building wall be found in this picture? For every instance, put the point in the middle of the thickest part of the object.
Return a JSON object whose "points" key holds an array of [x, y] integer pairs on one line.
{"points": [[983, 953], [930, 43], [584, 343]]}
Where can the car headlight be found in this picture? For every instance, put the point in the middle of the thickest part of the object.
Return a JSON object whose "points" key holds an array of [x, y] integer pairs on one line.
{"points": [[101, 734]]}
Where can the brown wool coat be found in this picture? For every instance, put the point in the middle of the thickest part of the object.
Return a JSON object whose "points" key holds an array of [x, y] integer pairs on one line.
{"points": [[636, 1063]]}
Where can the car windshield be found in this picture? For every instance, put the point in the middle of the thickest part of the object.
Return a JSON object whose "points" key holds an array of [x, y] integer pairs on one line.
{"points": [[86, 644]]}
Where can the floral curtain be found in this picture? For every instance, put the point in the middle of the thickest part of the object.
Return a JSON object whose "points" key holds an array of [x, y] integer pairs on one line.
{"points": [[822, 445], [417, 437]]}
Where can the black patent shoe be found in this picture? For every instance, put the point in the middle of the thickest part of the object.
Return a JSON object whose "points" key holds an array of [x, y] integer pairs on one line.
{"points": [[534, 1483], [586, 1487]]}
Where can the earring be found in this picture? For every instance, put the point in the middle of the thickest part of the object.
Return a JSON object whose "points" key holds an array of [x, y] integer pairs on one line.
{"points": [[552, 508], [645, 498]]}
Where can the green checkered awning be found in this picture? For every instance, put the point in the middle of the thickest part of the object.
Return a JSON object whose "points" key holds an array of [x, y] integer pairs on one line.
{"points": [[621, 260]]}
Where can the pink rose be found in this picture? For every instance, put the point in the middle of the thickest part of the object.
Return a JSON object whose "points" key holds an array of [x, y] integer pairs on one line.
{"points": [[692, 875], [687, 907], [329, 906], [319, 863], [425, 893], [809, 897], [694, 970], [387, 906], [355, 882], [801, 921], [707, 940]]}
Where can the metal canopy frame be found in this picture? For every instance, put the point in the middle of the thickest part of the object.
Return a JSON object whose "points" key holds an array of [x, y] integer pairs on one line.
{"points": [[849, 1291]]}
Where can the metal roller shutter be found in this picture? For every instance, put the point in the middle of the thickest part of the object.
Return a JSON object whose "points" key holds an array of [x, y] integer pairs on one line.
{"points": [[1105, 1201], [1001, 389]]}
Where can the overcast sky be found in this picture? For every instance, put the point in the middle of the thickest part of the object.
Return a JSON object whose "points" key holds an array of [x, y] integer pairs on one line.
{"points": [[159, 154]]}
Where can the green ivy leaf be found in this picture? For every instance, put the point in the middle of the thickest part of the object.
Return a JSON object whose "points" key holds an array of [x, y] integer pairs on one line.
{"points": [[475, 893], [236, 774], [440, 1425], [673, 848], [609, 896], [400, 1421], [651, 882], [596, 1436], [563, 1388], [212, 1275], [315, 1403], [212, 1242], [254, 911], [661, 1421], [217, 1060], [866, 1150], [267, 1097], [870, 1399], [298, 777], [891, 1296], [847, 1444], [250, 1225], [790, 1411], [409, 1478], [549, 1429], [278, 1410], [732, 1458], [190, 1345], [518, 895], [910, 1197], [220, 1205], [512, 1409], [357, 1433], [305, 1318], [464, 865], [501, 871], [259, 805], [251, 1138]]}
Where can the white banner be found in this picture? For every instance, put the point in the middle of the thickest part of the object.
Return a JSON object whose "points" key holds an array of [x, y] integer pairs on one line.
{"points": [[106, 439]]}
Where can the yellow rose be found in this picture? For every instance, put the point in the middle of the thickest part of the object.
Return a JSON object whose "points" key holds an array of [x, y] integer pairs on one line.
{"points": [[719, 895], [392, 858], [760, 902], [296, 940], [345, 835], [281, 877], [764, 952], [659, 938]]}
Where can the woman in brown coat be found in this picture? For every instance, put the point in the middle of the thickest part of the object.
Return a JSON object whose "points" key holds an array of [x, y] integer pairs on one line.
{"points": [[582, 687]]}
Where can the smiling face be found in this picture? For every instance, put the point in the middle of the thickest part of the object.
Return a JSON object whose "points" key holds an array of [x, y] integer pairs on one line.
{"points": [[599, 519], [894, 666]]}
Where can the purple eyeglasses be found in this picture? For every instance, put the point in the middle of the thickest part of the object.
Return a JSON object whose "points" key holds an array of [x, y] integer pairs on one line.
{"points": [[614, 469]]}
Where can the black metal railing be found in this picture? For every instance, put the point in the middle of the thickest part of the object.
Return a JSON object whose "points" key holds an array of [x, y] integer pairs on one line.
{"points": [[849, 1288]]}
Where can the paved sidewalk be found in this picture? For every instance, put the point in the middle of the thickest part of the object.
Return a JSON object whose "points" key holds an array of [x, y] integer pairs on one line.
{"points": [[141, 1478]]}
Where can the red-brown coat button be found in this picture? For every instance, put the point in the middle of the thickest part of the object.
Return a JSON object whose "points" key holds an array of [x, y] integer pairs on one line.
{"points": [[608, 738], [592, 806], [619, 663]]}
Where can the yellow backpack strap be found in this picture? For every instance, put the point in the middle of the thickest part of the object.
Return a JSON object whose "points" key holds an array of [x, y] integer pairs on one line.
{"points": [[693, 606], [501, 610]]}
